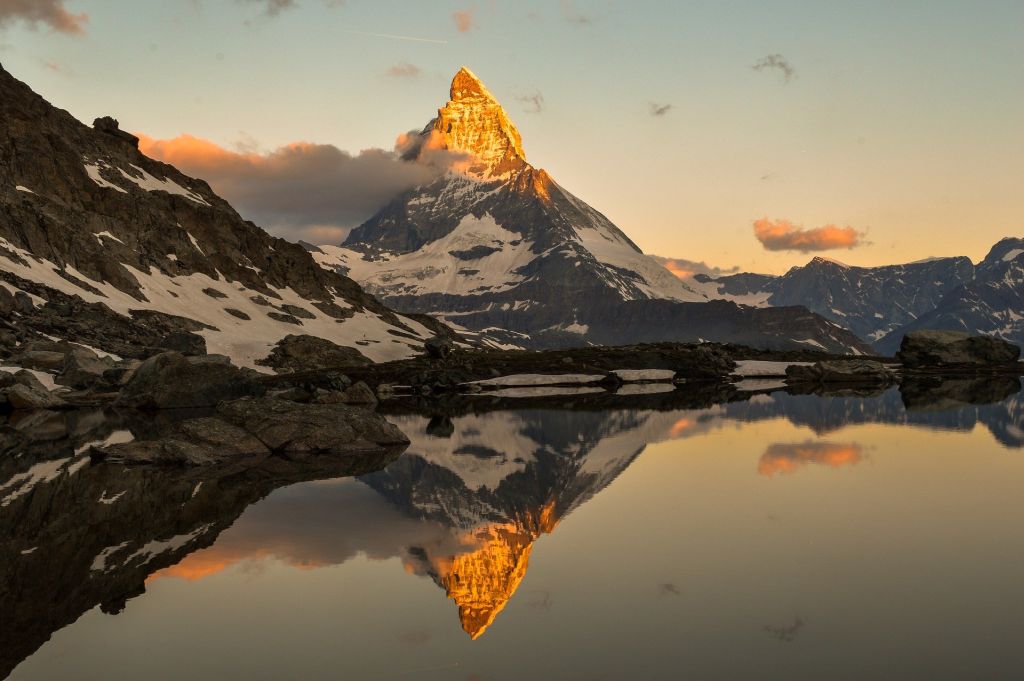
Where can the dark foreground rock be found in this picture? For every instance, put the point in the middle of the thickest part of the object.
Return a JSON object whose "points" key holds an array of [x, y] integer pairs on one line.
{"points": [[172, 381], [260, 427], [309, 353], [853, 371], [922, 349]]}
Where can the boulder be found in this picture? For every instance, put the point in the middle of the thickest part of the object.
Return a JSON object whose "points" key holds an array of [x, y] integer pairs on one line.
{"points": [[172, 381], [297, 430], [6, 302], [42, 360], [21, 396], [358, 394], [185, 342], [307, 353], [944, 348], [439, 347], [23, 303], [83, 368], [841, 371]]}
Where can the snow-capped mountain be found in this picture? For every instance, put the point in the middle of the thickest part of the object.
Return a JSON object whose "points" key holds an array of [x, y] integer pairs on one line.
{"points": [[497, 245], [992, 302], [124, 249], [880, 304]]}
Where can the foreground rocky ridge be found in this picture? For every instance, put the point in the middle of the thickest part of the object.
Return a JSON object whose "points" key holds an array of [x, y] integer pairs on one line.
{"points": [[101, 245]]}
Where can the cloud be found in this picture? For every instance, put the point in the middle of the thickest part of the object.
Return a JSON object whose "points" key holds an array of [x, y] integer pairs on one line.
{"points": [[404, 69], [776, 62], [659, 109], [313, 192], [787, 458], [274, 7], [574, 16], [49, 12], [687, 268], [465, 20], [534, 103], [783, 235]]}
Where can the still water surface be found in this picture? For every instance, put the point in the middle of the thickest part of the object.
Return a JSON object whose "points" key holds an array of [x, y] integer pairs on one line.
{"points": [[780, 537]]}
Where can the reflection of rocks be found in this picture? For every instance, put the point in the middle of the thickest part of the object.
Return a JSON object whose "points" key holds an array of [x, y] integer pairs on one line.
{"points": [[929, 393], [77, 534]]}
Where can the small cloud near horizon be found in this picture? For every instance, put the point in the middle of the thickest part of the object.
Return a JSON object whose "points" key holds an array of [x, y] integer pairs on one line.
{"points": [[684, 269], [776, 62], [534, 103], [465, 20], [783, 235], [659, 110], [49, 12], [574, 16], [404, 69]]}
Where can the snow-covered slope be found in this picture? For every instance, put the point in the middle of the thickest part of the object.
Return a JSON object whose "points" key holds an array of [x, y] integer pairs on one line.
{"points": [[498, 244], [83, 213]]}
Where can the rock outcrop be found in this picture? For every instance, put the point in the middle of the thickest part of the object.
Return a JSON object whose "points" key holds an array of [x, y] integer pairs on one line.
{"points": [[927, 348]]}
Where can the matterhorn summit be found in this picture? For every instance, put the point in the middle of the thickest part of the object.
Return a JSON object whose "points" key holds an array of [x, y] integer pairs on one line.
{"points": [[496, 246]]}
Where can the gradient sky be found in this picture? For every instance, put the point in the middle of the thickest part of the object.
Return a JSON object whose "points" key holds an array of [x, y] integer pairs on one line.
{"points": [[903, 120]]}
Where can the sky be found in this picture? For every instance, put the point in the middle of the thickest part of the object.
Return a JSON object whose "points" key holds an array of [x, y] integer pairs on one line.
{"points": [[742, 134]]}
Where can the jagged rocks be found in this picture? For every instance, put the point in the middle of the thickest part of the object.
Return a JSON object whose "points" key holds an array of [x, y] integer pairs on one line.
{"points": [[306, 353], [859, 371], [173, 381], [922, 349]]}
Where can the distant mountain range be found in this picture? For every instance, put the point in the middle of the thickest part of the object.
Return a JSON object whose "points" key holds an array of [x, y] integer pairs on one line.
{"points": [[497, 246], [881, 304]]}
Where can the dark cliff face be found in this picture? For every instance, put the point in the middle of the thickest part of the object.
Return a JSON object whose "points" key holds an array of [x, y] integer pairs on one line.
{"points": [[82, 208]]}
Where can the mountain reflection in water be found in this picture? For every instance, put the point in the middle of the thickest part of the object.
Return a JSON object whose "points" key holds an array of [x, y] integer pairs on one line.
{"points": [[464, 506]]}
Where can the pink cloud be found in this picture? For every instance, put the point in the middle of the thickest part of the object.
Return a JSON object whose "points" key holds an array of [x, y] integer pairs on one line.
{"points": [[49, 12], [465, 20], [783, 235]]}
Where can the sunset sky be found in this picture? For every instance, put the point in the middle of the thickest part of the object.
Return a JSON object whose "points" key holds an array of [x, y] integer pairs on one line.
{"points": [[707, 131]]}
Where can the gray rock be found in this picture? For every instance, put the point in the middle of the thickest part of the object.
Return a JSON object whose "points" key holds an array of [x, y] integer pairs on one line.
{"points": [[300, 312], [23, 397], [185, 342], [42, 360], [358, 394], [300, 429], [171, 381], [307, 353], [943, 348], [841, 371], [439, 347], [237, 313], [83, 368], [6, 302], [29, 380], [22, 303]]}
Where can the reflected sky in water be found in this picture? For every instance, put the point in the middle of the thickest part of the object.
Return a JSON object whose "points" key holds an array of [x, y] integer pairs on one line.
{"points": [[777, 537]]}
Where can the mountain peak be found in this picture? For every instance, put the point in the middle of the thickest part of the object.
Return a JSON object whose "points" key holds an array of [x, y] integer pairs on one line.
{"points": [[474, 122]]}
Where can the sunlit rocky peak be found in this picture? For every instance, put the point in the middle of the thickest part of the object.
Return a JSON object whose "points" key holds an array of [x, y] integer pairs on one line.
{"points": [[475, 123]]}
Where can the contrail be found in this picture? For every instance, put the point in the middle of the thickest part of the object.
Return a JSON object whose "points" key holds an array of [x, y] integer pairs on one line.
{"points": [[398, 37]]}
